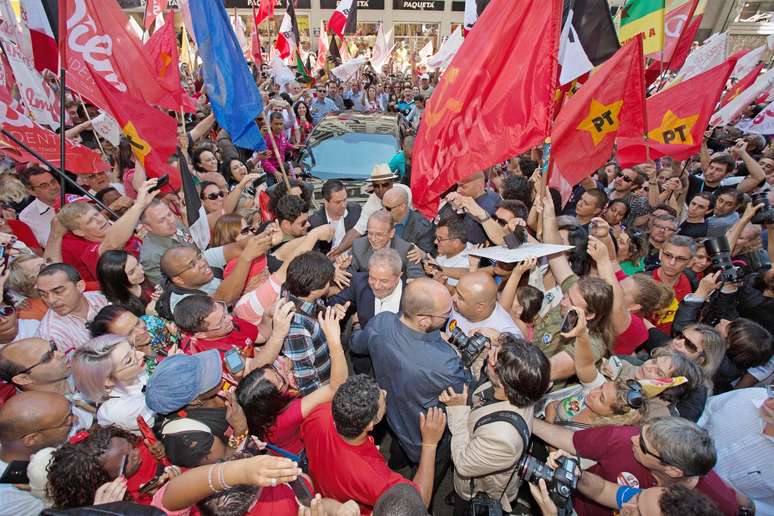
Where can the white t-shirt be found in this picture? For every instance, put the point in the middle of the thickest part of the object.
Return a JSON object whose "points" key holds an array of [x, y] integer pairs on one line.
{"points": [[499, 320], [457, 261], [16, 502]]}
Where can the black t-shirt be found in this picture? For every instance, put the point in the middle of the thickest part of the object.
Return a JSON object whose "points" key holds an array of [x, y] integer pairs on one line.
{"points": [[696, 185], [693, 229]]}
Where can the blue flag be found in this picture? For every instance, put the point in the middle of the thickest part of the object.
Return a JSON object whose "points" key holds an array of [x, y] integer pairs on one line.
{"points": [[232, 92]]}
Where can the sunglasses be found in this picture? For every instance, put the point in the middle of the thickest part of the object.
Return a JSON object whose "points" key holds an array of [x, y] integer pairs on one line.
{"points": [[625, 178], [214, 196], [390, 208], [44, 358], [644, 449], [634, 397], [247, 230], [690, 346]]}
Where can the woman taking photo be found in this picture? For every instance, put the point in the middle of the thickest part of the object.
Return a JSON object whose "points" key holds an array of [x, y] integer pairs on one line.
{"points": [[304, 123], [122, 281], [110, 372]]}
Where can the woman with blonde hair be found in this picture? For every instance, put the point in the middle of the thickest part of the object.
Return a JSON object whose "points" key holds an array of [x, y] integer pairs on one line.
{"points": [[23, 273], [229, 228]]}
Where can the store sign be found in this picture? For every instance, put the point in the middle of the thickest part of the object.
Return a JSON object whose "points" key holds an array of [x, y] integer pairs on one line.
{"points": [[418, 5], [278, 4], [361, 4], [458, 6]]}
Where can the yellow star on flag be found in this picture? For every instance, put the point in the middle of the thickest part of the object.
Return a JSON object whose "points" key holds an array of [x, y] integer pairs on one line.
{"points": [[432, 115], [602, 119], [674, 130], [140, 147]]}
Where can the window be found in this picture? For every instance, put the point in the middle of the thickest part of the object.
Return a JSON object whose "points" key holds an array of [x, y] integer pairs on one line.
{"points": [[756, 12]]}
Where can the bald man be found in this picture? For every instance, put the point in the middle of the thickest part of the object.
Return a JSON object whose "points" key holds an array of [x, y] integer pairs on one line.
{"points": [[29, 422], [415, 364], [474, 187], [409, 224], [476, 306]]}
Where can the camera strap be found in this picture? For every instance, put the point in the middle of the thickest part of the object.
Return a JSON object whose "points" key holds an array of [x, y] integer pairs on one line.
{"points": [[514, 419]]}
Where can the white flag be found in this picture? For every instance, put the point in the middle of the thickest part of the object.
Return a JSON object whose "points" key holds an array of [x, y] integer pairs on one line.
{"points": [[38, 97], [106, 126], [382, 51], [572, 56], [279, 71], [448, 50], [239, 30], [471, 14], [426, 51], [761, 124], [730, 111], [709, 55], [135, 28], [348, 70], [747, 62]]}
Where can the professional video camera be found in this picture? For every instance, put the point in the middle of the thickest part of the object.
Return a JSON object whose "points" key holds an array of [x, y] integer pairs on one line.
{"points": [[470, 347], [560, 481], [720, 255], [766, 214]]}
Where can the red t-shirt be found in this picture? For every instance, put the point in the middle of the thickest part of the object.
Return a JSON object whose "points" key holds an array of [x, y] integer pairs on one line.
{"points": [[84, 254], [244, 334], [277, 501], [632, 337], [340, 470], [24, 233], [286, 432], [611, 447], [149, 468], [663, 318]]}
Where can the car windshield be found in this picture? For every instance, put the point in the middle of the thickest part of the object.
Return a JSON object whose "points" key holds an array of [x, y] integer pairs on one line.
{"points": [[349, 146]]}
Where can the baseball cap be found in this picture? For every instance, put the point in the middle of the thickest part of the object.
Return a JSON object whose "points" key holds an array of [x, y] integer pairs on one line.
{"points": [[425, 77], [186, 441], [180, 379]]}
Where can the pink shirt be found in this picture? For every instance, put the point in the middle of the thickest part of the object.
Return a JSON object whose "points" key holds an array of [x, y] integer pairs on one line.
{"points": [[69, 331]]}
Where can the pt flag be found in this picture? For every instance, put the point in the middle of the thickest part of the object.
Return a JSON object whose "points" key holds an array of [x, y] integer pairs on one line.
{"points": [[741, 85], [498, 89], [78, 158], [677, 118], [99, 36], [683, 46], [152, 9], [676, 20], [232, 92], [285, 39], [162, 49], [644, 17], [611, 103], [151, 133], [194, 211]]}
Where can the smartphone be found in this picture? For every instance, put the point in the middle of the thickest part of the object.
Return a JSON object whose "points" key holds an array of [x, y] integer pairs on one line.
{"points": [[122, 469], [15, 473], [235, 363], [615, 365], [570, 320], [163, 180], [5, 256], [302, 493], [148, 434]]}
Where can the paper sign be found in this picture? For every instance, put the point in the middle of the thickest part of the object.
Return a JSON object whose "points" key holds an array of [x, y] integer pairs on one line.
{"points": [[524, 252]]}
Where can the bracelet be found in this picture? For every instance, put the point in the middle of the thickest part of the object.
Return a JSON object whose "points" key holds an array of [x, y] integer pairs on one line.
{"points": [[209, 479], [222, 477], [429, 445], [235, 441]]}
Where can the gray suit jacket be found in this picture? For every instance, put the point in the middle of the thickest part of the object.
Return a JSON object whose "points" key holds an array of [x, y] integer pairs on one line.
{"points": [[362, 251], [419, 231]]}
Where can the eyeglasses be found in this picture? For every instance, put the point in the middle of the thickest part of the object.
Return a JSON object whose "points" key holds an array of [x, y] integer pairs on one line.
{"points": [[634, 397], [689, 345], [626, 178], [213, 196], [644, 449], [44, 358], [6, 311], [669, 256], [500, 221], [191, 265], [664, 228], [442, 316], [390, 208]]}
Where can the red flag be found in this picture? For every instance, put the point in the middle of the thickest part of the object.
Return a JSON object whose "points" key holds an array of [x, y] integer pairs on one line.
{"points": [[151, 133], [677, 118], [285, 41], [79, 159], [494, 101], [741, 85], [152, 9], [265, 11], [7, 82], [44, 47], [611, 103], [99, 35], [676, 22], [255, 42], [683, 47], [161, 47], [338, 20]]}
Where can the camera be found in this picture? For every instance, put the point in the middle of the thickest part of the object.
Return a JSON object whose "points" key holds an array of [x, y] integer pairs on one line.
{"points": [[470, 347], [755, 261], [766, 214], [720, 254], [560, 481]]}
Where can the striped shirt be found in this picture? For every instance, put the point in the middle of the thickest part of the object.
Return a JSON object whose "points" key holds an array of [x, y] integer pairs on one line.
{"points": [[255, 303], [307, 348], [69, 331]]}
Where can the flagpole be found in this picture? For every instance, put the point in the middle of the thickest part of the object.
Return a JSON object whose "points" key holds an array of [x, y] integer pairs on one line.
{"points": [[88, 117], [62, 29]]}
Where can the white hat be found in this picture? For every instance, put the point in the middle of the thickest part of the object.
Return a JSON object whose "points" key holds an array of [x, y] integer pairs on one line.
{"points": [[381, 172], [425, 77]]}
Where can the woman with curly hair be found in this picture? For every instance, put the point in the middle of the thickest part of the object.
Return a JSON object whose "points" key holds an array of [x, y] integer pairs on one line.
{"points": [[94, 457]]}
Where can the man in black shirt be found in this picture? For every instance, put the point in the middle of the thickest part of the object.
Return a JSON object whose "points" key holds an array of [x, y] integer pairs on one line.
{"points": [[695, 226]]}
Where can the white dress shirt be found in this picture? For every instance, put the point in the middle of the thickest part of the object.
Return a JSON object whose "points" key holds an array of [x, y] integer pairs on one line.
{"points": [[373, 204], [389, 303], [38, 216], [69, 331], [338, 225], [124, 405], [745, 453]]}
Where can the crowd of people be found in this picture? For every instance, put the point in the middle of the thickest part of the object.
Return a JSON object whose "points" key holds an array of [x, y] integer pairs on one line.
{"points": [[334, 357]]}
